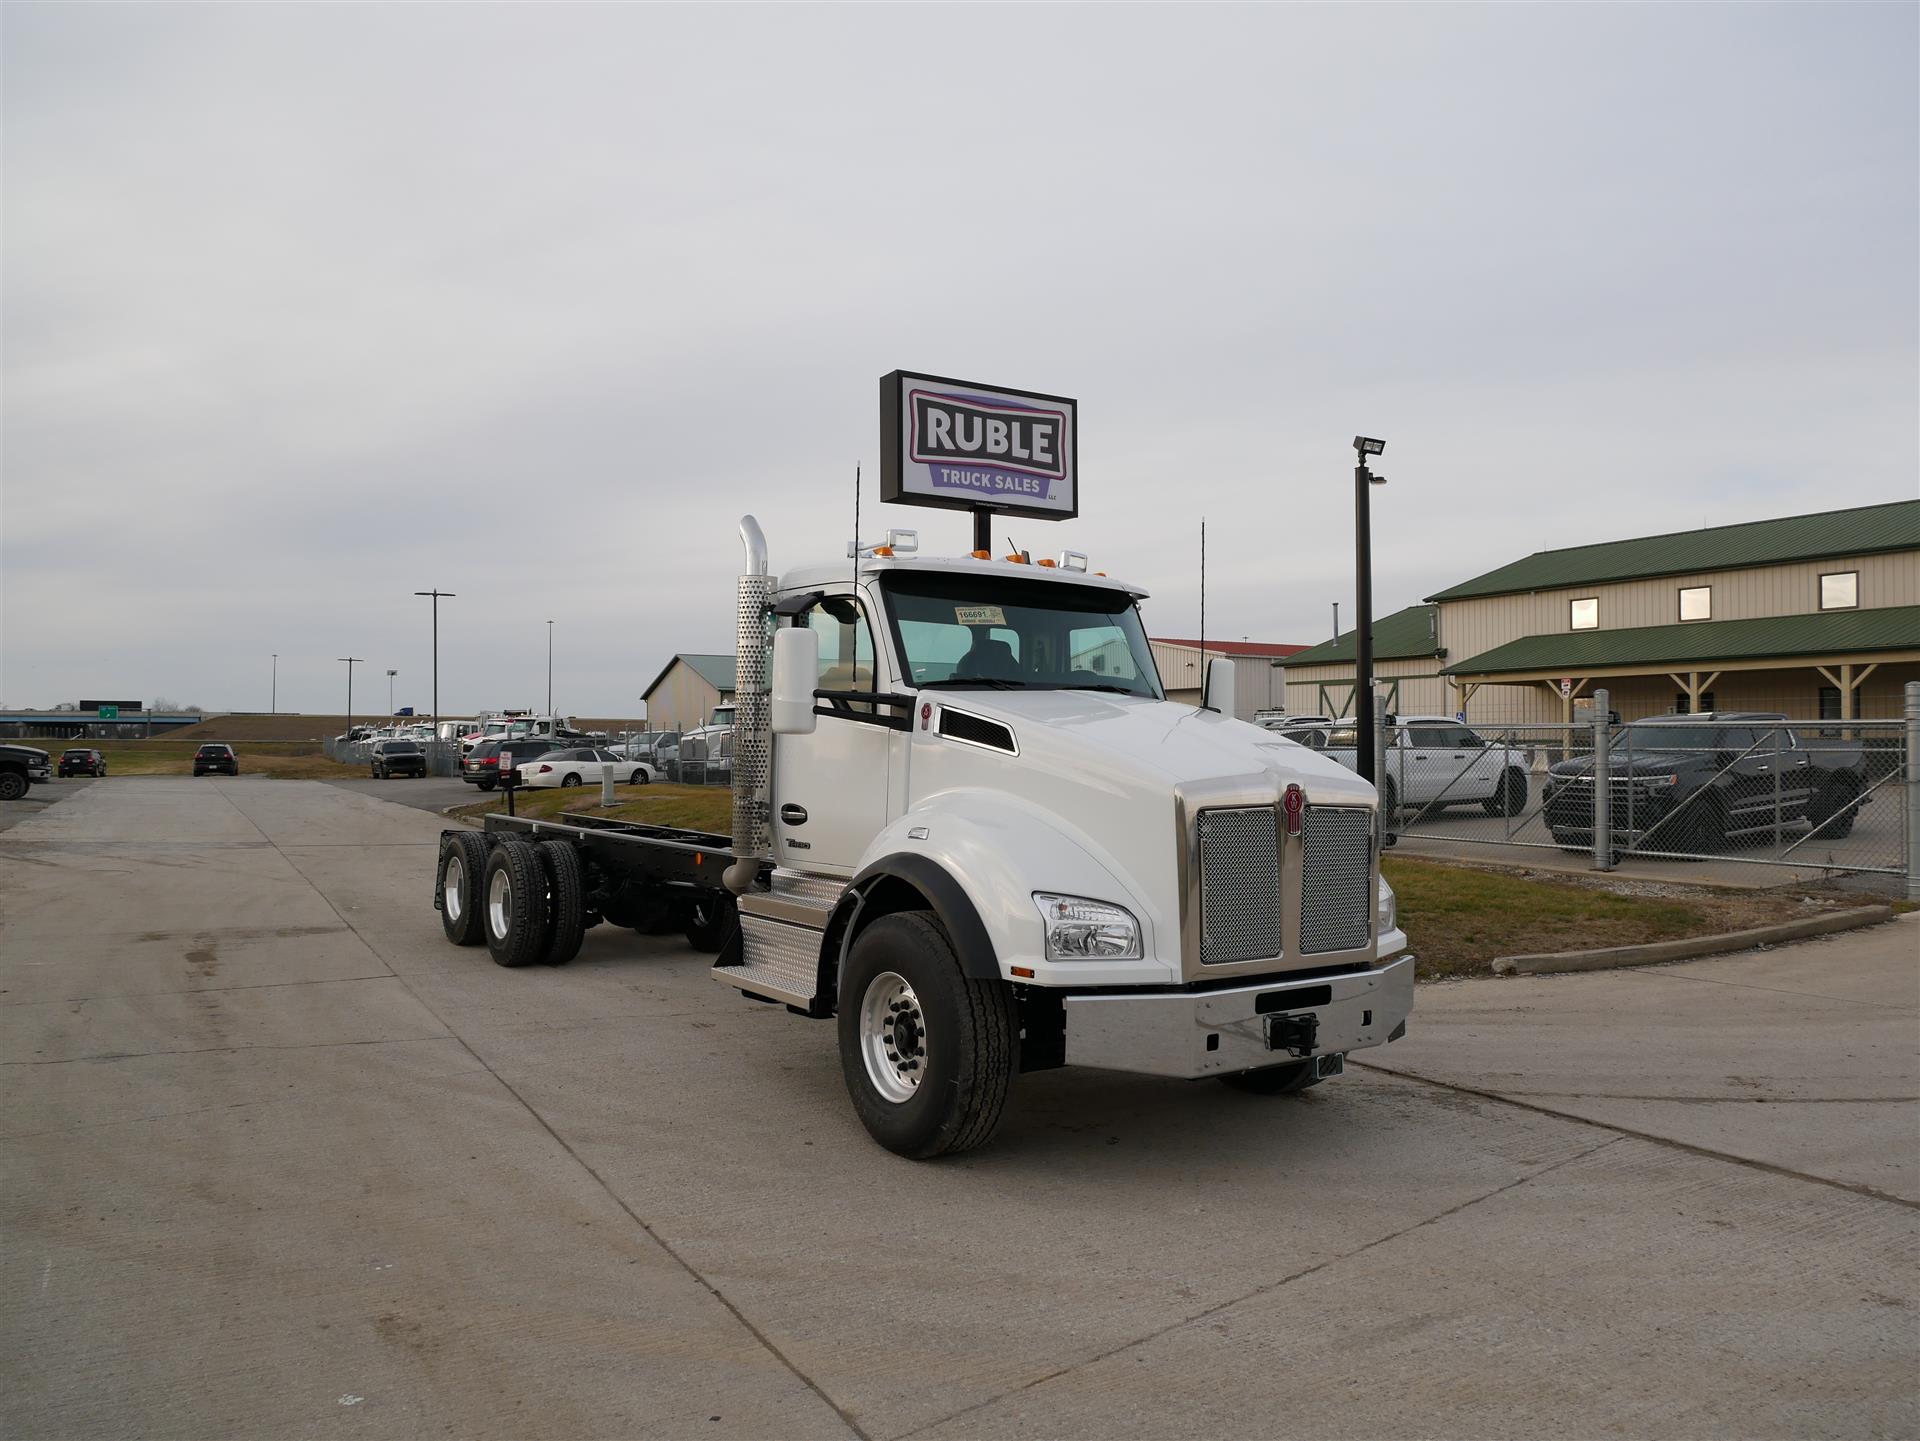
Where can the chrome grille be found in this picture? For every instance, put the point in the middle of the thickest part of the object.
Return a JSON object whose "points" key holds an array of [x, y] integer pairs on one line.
{"points": [[1239, 885], [1336, 880]]}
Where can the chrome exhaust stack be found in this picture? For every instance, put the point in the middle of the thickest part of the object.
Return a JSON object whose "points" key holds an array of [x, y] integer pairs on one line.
{"points": [[753, 716]]}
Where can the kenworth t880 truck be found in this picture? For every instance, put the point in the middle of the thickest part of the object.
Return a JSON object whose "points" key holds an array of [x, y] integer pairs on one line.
{"points": [[971, 829]]}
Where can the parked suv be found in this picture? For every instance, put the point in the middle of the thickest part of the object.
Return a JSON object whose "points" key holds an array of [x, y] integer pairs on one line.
{"points": [[82, 763], [397, 758], [482, 765], [1702, 783], [215, 757], [20, 768]]}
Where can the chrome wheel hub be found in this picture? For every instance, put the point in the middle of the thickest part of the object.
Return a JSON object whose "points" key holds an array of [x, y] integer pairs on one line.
{"points": [[893, 1037], [453, 887], [499, 905]]}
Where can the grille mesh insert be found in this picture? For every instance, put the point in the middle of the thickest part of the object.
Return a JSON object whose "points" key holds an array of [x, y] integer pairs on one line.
{"points": [[1239, 885], [1337, 904], [978, 729]]}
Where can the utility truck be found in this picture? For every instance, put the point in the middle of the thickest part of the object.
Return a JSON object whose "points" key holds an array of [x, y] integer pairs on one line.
{"points": [[979, 856], [970, 829]]}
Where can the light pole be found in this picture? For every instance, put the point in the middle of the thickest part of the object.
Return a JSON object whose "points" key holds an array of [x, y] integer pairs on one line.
{"points": [[273, 705], [390, 675], [1363, 482], [352, 661], [436, 594], [549, 668]]}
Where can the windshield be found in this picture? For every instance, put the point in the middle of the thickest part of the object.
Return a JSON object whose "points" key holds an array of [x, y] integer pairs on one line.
{"points": [[1001, 634], [402, 748], [1656, 736]]}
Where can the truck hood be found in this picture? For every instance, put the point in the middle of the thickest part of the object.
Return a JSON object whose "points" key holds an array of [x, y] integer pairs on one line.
{"points": [[1082, 733]]}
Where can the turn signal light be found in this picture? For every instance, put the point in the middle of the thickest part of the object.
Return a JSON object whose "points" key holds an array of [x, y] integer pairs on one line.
{"points": [[882, 550]]}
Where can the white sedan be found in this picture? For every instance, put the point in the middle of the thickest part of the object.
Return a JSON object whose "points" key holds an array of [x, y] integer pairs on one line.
{"points": [[584, 766]]}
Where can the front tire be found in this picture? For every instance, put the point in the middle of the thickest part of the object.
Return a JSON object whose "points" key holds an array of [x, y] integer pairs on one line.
{"points": [[639, 778], [13, 785], [928, 1053], [514, 904], [463, 861]]}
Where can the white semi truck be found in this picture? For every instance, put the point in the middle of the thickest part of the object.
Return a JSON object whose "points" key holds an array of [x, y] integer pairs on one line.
{"points": [[971, 829]]}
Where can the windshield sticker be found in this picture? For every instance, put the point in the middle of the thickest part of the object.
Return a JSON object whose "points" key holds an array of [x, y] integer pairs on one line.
{"points": [[979, 615]]}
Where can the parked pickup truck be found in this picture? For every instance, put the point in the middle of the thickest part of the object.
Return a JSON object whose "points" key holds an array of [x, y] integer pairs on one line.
{"points": [[1433, 762], [397, 758], [1698, 783], [20, 768]]}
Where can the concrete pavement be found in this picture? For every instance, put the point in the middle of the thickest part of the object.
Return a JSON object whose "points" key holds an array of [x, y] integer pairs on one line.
{"points": [[277, 1159]]}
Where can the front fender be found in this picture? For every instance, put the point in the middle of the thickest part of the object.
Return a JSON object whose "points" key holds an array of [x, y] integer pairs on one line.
{"points": [[989, 853]]}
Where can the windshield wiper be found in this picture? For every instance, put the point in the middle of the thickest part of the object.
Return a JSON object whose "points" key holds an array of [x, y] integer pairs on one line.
{"points": [[1108, 687], [982, 682]]}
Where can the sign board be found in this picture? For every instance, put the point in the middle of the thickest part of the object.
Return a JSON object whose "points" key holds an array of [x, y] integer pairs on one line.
{"points": [[961, 445], [97, 705], [109, 712], [1460, 716], [1566, 688]]}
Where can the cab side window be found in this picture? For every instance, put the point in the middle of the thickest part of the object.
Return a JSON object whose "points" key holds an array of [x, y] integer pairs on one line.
{"points": [[846, 644]]}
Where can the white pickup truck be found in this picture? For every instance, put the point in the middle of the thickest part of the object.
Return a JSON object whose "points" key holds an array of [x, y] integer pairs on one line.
{"points": [[970, 828], [1433, 761]]}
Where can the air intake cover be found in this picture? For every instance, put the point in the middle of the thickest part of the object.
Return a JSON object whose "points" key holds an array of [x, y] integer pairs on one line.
{"points": [[976, 730]]}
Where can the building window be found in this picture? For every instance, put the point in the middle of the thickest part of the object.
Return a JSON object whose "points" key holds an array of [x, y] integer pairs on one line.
{"points": [[1585, 614], [1680, 706], [1829, 702], [1696, 602], [1840, 591]]}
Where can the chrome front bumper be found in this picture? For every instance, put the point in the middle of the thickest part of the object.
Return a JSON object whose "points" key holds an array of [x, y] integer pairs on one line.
{"points": [[1210, 1033]]}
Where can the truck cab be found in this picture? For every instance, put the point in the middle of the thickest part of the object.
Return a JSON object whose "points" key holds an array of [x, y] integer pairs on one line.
{"points": [[972, 828]]}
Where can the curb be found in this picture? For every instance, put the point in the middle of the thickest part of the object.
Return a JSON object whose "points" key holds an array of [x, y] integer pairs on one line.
{"points": [[1656, 951]]}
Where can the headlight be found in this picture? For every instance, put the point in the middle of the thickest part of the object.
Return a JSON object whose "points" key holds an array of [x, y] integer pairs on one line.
{"points": [[1082, 930], [1388, 909]]}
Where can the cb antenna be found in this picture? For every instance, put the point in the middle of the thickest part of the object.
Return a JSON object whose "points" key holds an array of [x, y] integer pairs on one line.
{"points": [[856, 528], [1203, 612]]}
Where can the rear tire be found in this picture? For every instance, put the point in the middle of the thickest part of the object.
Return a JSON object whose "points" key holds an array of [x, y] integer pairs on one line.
{"points": [[463, 862], [711, 922], [566, 901], [1511, 796], [514, 904], [1273, 1080], [486, 785], [928, 1053], [569, 780], [13, 785]]}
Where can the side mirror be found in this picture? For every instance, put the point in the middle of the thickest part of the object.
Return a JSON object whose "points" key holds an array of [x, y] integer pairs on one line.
{"points": [[1218, 693], [796, 671]]}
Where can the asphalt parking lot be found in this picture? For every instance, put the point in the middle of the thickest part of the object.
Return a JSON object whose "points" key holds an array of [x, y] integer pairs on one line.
{"points": [[276, 1159]]}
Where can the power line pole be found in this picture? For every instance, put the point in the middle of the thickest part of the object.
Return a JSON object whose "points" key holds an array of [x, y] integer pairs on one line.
{"points": [[436, 594], [273, 705], [390, 675], [549, 668], [352, 661], [1363, 482]]}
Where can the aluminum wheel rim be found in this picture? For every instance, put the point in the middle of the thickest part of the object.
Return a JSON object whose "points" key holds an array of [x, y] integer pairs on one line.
{"points": [[893, 1037], [499, 904], [453, 888]]}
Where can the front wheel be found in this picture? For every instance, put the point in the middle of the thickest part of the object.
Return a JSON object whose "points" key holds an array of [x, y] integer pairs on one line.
{"points": [[639, 778], [928, 1053], [13, 785]]}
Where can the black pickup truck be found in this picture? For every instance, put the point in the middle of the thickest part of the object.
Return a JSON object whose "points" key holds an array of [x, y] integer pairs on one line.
{"points": [[20, 768], [1700, 784]]}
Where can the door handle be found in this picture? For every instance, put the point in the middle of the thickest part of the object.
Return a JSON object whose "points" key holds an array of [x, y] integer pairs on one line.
{"points": [[793, 815]]}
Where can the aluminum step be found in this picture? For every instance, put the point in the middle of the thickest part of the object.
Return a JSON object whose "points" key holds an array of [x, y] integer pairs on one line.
{"points": [[795, 898], [778, 960]]}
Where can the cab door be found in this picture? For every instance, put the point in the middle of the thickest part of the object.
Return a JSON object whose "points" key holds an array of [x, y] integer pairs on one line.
{"points": [[830, 788]]}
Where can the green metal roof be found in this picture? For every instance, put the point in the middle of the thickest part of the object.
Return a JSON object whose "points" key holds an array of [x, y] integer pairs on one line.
{"points": [[715, 670], [1706, 642], [1864, 530], [1403, 635]]}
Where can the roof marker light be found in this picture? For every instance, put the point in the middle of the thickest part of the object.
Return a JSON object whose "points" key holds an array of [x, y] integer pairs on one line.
{"points": [[1049, 564]]}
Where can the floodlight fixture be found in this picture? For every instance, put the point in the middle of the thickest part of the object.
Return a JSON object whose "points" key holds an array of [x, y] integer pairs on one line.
{"points": [[1367, 445]]}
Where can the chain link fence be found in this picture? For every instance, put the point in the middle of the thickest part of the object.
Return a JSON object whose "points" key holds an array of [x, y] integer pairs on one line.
{"points": [[1756, 796]]}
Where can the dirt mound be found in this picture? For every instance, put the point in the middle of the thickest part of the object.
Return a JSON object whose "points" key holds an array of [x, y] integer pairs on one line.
{"points": [[281, 727]]}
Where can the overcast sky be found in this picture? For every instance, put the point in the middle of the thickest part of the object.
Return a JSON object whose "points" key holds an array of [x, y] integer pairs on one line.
{"points": [[308, 308]]}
